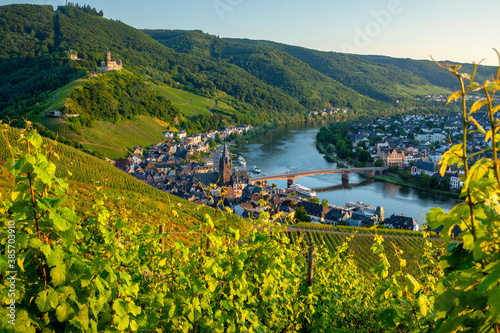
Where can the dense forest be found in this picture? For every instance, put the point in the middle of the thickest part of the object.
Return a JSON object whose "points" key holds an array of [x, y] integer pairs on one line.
{"points": [[114, 96]]}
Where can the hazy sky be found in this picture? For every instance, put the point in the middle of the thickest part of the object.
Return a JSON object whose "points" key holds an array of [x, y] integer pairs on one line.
{"points": [[456, 30]]}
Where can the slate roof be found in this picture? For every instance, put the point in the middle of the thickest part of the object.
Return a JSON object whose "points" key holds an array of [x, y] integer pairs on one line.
{"points": [[313, 208]]}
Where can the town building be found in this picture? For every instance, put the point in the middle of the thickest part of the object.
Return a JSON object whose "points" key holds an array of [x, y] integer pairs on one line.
{"points": [[401, 222], [225, 166], [423, 167]]}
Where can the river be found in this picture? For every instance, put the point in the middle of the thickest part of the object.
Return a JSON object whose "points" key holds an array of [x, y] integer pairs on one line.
{"points": [[291, 147]]}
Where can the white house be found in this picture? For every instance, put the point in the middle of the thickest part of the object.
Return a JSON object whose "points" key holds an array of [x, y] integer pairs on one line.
{"points": [[431, 137], [455, 181]]}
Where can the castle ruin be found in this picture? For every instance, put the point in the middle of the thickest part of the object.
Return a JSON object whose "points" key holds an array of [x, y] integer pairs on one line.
{"points": [[110, 64]]}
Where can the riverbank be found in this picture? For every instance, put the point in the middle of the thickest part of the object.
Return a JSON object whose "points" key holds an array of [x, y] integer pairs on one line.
{"points": [[273, 123], [329, 157], [393, 180]]}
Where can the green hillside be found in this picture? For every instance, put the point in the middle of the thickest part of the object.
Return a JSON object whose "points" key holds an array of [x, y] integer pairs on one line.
{"points": [[428, 70], [188, 103], [62, 94], [112, 140]]}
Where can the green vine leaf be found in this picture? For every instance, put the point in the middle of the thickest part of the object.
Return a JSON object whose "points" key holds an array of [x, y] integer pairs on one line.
{"points": [[47, 300]]}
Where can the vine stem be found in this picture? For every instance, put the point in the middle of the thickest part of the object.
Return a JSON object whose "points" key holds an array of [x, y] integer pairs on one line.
{"points": [[464, 154], [493, 138]]}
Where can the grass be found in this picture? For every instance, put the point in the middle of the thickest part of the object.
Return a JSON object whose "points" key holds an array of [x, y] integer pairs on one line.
{"points": [[428, 89], [115, 140], [63, 92], [188, 103], [398, 181]]}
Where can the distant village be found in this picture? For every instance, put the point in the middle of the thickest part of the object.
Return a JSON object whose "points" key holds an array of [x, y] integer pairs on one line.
{"points": [[176, 166], [418, 141]]}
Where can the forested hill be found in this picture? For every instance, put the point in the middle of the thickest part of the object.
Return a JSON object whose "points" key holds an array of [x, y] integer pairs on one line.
{"points": [[254, 80], [427, 69], [381, 78]]}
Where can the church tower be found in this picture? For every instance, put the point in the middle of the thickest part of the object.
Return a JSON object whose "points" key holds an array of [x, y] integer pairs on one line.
{"points": [[225, 166]]}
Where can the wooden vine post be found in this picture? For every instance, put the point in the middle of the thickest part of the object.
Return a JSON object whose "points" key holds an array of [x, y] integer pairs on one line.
{"points": [[310, 265], [162, 231]]}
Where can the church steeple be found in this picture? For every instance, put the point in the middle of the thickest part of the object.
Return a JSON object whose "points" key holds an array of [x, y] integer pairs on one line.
{"points": [[225, 166]]}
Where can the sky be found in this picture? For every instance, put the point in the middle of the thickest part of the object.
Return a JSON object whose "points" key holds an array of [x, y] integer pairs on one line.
{"points": [[459, 30]]}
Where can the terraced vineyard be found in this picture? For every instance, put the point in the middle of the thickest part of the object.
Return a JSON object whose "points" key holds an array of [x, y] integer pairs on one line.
{"points": [[360, 243]]}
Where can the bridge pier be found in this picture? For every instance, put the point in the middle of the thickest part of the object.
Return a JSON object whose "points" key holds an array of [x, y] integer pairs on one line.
{"points": [[345, 177], [370, 173], [290, 182]]}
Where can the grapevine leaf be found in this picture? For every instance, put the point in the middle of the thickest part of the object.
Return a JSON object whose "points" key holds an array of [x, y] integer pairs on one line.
{"points": [[119, 309], [122, 322], [412, 284], [478, 105], [64, 311], [34, 138], [134, 326], [454, 96], [491, 280], [170, 308], [209, 221], [46, 300], [423, 305], [82, 319], [60, 223], [133, 309], [162, 262], [494, 303], [478, 126], [58, 274]]}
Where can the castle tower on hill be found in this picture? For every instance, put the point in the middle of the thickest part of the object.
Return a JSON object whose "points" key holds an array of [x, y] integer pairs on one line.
{"points": [[225, 166], [110, 64]]}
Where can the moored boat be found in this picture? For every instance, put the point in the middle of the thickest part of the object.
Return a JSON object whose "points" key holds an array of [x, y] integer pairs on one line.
{"points": [[304, 191]]}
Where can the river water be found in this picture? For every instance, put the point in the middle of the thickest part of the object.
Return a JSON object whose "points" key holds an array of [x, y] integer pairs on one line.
{"points": [[291, 147]]}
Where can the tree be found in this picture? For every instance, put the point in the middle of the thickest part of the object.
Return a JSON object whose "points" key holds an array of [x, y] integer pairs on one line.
{"points": [[394, 169], [330, 149], [301, 215], [343, 153], [425, 181], [212, 144], [314, 200], [364, 156], [379, 163], [434, 182], [217, 138], [324, 202], [341, 145], [445, 184], [405, 175]]}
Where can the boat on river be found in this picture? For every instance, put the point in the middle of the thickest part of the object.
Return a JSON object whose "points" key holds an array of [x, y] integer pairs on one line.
{"points": [[303, 191], [242, 161], [254, 169]]}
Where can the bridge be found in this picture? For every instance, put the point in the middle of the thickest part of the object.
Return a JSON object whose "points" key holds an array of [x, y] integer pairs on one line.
{"points": [[370, 172]]}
